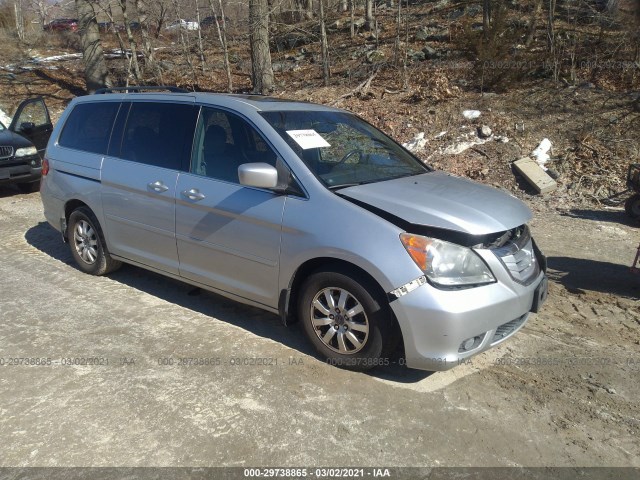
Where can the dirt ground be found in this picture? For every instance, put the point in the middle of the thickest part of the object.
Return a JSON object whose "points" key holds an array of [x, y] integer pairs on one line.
{"points": [[563, 392]]}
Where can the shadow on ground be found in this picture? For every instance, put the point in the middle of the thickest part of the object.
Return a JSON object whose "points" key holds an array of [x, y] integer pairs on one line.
{"points": [[265, 324], [610, 216], [579, 274]]}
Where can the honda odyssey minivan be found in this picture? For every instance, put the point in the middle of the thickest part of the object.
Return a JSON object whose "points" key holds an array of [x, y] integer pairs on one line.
{"points": [[299, 209]]}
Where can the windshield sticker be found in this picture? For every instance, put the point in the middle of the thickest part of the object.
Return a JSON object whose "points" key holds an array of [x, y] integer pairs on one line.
{"points": [[308, 139]]}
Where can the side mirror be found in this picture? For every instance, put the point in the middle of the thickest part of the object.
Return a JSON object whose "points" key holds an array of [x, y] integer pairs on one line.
{"points": [[27, 126], [260, 175]]}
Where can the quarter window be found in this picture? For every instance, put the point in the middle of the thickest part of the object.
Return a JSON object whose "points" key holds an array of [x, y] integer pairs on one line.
{"points": [[88, 127]]}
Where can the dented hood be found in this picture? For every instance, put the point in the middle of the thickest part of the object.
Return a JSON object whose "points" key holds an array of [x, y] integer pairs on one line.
{"points": [[440, 200]]}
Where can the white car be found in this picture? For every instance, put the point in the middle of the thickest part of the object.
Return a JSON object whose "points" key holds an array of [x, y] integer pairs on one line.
{"points": [[182, 23]]}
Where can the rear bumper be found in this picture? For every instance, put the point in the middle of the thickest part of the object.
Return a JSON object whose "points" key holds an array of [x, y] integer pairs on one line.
{"points": [[442, 328]]}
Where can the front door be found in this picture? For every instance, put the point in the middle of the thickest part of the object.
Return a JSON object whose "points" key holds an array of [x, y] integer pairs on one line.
{"points": [[228, 235], [32, 121]]}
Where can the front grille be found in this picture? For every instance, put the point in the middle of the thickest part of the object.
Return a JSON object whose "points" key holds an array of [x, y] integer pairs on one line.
{"points": [[5, 152], [506, 329], [519, 258]]}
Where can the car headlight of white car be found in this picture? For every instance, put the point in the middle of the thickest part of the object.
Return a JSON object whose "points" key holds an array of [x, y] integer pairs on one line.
{"points": [[26, 151]]}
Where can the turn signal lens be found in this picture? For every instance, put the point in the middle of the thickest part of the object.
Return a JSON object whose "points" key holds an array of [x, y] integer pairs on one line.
{"points": [[416, 246], [45, 167]]}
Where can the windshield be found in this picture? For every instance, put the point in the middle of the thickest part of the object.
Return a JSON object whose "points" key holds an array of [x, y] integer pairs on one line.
{"points": [[2, 127], [341, 149]]}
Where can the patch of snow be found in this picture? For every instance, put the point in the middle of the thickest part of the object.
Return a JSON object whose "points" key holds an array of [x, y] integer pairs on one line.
{"points": [[460, 147], [471, 114], [4, 118], [541, 153], [56, 58], [417, 144], [441, 134]]}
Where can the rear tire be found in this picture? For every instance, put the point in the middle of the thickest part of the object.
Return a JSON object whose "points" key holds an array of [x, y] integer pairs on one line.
{"points": [[87, 243], [344, 321], [632, 206]]}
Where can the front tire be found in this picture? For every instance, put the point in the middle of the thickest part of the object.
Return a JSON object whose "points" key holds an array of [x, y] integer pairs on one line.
{"points": [[87, 243], [346, 323]]}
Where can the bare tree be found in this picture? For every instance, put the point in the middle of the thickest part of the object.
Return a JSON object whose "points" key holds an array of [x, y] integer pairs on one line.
{"points": [[147, 47], [486, 17], [132, 42], [17, 7], [369, 22], [533, 22], [353, 19], [261, 70], [200, 45], [184, 43], [41, 7], [551, 34], [222, 37], [95, 68], [324, 47]]}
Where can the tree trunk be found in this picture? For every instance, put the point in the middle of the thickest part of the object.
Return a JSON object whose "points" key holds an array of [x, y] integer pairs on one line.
{"points": [[95, 69], [222, 37], [551, 26], [326, 73], [203, 60], [486, 17], [261, 70], [19, 20], [132, 43], [147, 48], [353, 20], [369, 24], [533, 23]]}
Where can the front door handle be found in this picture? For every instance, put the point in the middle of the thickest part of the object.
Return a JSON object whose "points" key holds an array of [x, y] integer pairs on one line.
{"points": [[193, 194], [158, 186]]}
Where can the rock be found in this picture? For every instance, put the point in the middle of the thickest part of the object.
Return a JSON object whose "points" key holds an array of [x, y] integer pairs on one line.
{"points": [[430, 34], [375, 56], [430, 53], [484, 132], [610, 390], [359, 23], [416, 56]]}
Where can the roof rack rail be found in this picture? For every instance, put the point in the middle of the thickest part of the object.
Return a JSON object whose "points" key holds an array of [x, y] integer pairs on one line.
{"points": [[140, 88]]}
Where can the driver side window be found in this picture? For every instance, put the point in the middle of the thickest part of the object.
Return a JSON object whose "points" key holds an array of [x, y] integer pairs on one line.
{"points": [[225, 141]]}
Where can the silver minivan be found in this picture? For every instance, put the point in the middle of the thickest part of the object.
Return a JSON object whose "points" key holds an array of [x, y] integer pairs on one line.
{"points": [[299, 209]]}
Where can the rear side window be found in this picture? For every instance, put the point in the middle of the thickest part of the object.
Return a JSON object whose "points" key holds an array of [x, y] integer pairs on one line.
{"points": [[159, 134], [88, 127]]}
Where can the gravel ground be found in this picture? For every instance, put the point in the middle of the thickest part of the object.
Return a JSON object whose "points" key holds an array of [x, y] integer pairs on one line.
{"points": [[563, 392]]}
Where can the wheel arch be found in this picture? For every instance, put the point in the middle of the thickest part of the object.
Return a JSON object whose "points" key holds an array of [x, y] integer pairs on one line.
{"points": [[289, 297], [69, 208]]}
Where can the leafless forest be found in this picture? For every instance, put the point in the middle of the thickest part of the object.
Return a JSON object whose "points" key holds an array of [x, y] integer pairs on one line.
{"points": [[568, 70]]}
